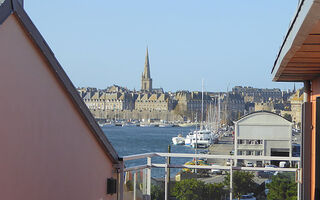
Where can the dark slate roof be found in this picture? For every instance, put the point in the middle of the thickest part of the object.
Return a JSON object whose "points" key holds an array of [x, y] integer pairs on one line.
{"points": [[9, 7]]}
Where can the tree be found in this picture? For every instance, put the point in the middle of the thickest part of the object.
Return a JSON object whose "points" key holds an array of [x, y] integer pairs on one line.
{"points": [[282, 187], [215, 191], [157, 193], [287, 117], [189, 189], [192, 189], [242, 183]]}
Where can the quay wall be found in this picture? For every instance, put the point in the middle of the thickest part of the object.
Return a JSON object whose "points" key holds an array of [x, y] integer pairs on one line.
{"points": [[137, 115]]}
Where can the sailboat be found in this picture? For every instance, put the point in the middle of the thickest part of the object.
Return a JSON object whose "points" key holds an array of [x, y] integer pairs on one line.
{"points": [[203, 137]]}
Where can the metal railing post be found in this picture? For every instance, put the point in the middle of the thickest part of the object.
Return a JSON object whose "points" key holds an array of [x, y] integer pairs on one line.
{"points": [[299, 182], [231, 188], [144, 182], [121, 174], [166, 181], [135, 186], [149, 177]]}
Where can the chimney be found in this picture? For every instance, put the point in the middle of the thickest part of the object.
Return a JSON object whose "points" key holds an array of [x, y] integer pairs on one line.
{"points": [[21, 2]]}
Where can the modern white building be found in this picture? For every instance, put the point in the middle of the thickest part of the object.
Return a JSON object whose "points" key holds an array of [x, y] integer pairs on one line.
{"points": [[263, 133]]}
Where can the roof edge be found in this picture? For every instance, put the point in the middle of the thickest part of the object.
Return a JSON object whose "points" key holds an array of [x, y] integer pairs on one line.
{"points": [[13, 6], [261, 111], [6, 9], [299, 27], [285, 39]]}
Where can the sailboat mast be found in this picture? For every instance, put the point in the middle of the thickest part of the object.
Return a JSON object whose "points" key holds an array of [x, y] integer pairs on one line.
{"points": [[219, 111], [202, 105]]}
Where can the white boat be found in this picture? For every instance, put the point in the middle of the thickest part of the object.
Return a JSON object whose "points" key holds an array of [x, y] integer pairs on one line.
{"points": [[202, 139], [128, 124], [188, 139], [179, 140], [147, 125], [106, 125], [165, 125], [187, 124]]}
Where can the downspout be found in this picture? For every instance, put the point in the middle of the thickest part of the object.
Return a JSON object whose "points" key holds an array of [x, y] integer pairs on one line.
{"points": [[304, 191], [119, 168], [307, 91]]}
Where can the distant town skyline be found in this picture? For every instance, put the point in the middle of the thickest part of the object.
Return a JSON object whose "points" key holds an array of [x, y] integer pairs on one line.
{"points": [[226, 44]]}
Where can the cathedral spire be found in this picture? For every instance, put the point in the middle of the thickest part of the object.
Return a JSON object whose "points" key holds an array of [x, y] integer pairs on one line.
{"points": [[146, 73], [146, 81]]}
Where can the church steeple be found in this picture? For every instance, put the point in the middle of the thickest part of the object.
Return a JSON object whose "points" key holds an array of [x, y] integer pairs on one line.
{"points": [[146, 81], [146, 73]]}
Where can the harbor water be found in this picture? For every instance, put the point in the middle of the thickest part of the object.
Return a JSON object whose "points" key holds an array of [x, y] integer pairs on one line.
{"points": [[139, 140]]}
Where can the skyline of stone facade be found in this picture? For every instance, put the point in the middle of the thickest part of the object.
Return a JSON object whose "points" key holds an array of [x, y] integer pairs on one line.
{"points": [[116, 102]]}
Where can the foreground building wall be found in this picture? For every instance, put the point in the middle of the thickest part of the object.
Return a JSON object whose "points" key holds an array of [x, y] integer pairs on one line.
{"points": [[47, 148], [298, 61]]}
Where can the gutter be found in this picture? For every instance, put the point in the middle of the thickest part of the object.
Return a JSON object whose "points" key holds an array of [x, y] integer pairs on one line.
{"points": [[288, 33]]}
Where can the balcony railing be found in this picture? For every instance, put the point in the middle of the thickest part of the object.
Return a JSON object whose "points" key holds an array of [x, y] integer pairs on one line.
{"points": [[149, 165]]}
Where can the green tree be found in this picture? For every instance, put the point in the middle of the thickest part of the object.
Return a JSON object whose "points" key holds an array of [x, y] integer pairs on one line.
{"points": [[157, 193], [189, 189], [242, 183], [216, 191], [192, 189], [282, 187], [287, 117]]}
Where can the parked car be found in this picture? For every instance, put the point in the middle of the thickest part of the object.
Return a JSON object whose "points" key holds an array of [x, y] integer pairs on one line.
{"points": [[284, 164], [271, 166], [249, 164], [215, 171], [228, 163], [247, 197]]}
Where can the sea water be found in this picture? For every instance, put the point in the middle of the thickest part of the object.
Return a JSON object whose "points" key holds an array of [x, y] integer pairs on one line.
{"points": [[138, 140]]}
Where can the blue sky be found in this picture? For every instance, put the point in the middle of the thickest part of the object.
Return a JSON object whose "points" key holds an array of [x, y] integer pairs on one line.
{"points": [[226, 43]]}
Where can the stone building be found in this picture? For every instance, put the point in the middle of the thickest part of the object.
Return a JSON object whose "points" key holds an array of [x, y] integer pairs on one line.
{"points": [[234, 106], [146, 80], [258, 94], [296, 101], [109, 101], [189, 104], [117, 88], [265, 106], [153, 102]]}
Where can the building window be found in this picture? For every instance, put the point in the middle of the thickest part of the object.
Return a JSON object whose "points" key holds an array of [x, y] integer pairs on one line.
{"points": [[258, 142], [240, 141], [249, 153]]}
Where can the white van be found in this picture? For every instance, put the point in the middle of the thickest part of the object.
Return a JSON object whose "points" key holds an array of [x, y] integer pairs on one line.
{"points": [[282, 164]]}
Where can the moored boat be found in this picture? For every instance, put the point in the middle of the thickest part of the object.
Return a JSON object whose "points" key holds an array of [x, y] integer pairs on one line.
{"points": [[202, 139], [179, 140], [147, 125], [165, 125], [110, 124]]}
